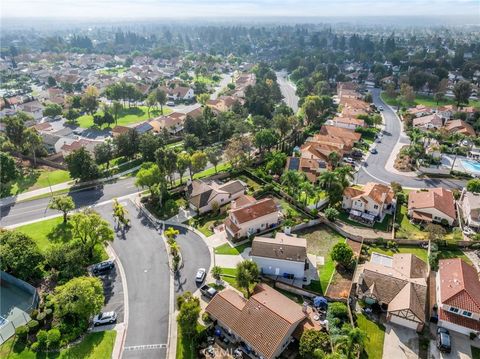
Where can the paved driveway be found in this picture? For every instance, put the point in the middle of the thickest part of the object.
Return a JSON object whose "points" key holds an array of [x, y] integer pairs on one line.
{"points": [[400, 342], [144, 258], [460, 348]]}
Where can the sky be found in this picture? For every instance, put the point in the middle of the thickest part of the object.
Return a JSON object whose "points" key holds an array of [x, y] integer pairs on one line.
{"points": [[79, 9]]}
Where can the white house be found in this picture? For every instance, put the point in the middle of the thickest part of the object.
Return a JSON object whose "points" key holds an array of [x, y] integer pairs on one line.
{"points": [[203, 194], [374, 199], [432, 205], [470, 205], [249, 216], [458, 296], [181, 93], [280, 256]]}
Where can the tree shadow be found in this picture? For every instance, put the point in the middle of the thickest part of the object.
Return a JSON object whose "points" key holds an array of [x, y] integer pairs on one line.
{"points": [[136, 111], [62, 233], [26, 179]]}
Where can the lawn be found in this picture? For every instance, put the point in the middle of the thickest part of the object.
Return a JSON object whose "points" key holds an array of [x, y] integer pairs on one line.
{"points": [[93, 346], [186, 347], [426, 101], [320, 242], [112, 70], [35, 179], [128, 116], [375, 337], [475, 353], [252, 185], [227, 249], [416, 250], [380, 226], [50, 231], [222, 167], [205, 222]]}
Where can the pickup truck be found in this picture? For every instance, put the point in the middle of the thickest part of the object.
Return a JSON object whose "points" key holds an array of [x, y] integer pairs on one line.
{"points": [[208, 291]]}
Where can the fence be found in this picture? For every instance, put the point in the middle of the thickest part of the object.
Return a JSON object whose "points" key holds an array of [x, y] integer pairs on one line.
{"points": [[18, 299]]}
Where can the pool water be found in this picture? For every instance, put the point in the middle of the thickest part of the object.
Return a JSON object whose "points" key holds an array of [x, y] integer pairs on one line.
{"points": [[471, 166]]}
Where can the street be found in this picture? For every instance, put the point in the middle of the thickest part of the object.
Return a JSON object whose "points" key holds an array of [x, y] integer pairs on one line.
{"points": [[288, 90]]}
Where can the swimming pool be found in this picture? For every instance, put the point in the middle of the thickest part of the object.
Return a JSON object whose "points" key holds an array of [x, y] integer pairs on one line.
{"points": [[471, 166]]}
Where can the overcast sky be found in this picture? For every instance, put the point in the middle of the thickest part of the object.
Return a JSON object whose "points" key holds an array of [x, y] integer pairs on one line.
{"points": [[228, 8]]}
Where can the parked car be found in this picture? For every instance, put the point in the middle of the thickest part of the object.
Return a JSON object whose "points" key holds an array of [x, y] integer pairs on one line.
{"points": [[102, 267], [201, 274], [468, 231], [349, 160], [170, 103], [373, 151], [208, 291], [105, 318], [380, 108], [444, 342]]}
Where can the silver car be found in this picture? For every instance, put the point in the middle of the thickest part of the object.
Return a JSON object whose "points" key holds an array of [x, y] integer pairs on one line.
{"points": [[105, 318], [201, 273]]}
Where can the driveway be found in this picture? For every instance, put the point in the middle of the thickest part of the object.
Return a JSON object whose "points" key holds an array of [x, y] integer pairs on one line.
{"points": [[113, 291], [400, 342], [461, 348], [144, 258]]}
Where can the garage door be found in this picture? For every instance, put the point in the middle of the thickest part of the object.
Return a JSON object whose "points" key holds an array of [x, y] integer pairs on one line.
{"points": [[404, 322]]}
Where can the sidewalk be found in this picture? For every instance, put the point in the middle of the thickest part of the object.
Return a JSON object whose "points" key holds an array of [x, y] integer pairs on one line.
{"points": [[59, 187]]}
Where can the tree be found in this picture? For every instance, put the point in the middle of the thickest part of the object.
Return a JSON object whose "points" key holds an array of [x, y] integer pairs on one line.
{"points": [[71, 115], [80, 298], [148, 176], [82, 166], [65, 260], [91, 229], [21, 256], [247, 275], [33, 144], [171, 234], [51, 82], [352, 342], [189, 312], [203, 98], [166, 159], [52, 110], [120, 213], [462, 91], [151, 101], [103, 153], [275, 162], [148, 144], [15, 129], [342, 253], [407, 94], [183, 163], [161, 98], [127, 144], [334, 159], [331, 214], [473, 185], [216, 272], [238, 151], [312, 340], [8, 169], [191, 142], [265, 139], [116, 109], [89, 100], [214, 156], [64, 204], [435, 232], [198, 162], [292, 180]]}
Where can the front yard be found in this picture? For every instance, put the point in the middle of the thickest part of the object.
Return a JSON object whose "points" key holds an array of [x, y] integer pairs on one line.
{"points": [[186, 347], [31, 180], [375, 337], [207, 221], [320, 241], [227, 249]]}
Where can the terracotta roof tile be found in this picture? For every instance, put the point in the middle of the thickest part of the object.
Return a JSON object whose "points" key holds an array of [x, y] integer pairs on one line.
{"points": [[438, 198], [254, 210]]}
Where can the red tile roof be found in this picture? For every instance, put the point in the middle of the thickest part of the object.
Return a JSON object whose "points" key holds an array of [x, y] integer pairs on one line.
{"points": [[439, 198], [459, 320]]}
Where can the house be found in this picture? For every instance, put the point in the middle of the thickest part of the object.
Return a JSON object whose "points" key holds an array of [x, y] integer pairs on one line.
{"points": [[265, 323], [459, 126], [420, 111], [432, 205], [458, 296], [429, 122], [49, 142], [470, 205], [284, 255], [203, 194], [143, 127], [372, 202], [446, 111], [75, 145], [173, 123], [120, 130], [249, 216], [32, 108], [350, 123], [180, 93], [398, 284], [311, 167]]}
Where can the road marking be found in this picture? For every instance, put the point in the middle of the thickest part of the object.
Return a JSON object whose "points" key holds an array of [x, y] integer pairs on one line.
{"points": [[145, 347]]}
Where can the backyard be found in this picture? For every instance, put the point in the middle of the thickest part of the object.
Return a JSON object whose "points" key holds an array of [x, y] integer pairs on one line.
{"points": [[320, 241], [383, 226], [375, 337], [93, 346], [32, 179], [127, 116]]}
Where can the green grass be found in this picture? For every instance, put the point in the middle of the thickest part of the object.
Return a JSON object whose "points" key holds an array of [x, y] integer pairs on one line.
{"points": [[186, 347], [50, 231], [94, 346], [320, 242], [227, 249], [380, 226], [205, 222], [252, 185], [407, 229], [426, 101], [222, 167], [112, 71], [375, 337], [416, 250], [446, 253], [127, 116], [475, 353], [35, 179]]}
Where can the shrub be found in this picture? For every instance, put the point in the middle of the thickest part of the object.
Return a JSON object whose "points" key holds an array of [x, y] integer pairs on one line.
{"points": [[32, 326], [42, 339], [342, 254], [53, 338], [48, 312], [34, 314], [21, 332], [338, 310], [35, 347], [41, 317], [331, 214], [206, 318]]}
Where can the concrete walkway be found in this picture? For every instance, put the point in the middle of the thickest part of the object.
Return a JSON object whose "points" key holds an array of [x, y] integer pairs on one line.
{"points": [[183, 215]]}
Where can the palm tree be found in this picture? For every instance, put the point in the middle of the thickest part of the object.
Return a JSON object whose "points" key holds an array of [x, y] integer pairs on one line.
{"points": [[308, 189], [116, 108], [344, 174], [415, 135], [326, 179], [333, 159], [174, 248], [352, 342], [291, 179], [216, 272]]}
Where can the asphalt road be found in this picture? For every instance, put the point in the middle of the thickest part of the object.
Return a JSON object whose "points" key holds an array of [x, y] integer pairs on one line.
{"points": [[288, 90], [145, 261], [195, 254], [374, 169]]}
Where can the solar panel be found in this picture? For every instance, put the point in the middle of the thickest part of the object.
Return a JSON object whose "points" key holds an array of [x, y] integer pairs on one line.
{"points": [[294, 163]]}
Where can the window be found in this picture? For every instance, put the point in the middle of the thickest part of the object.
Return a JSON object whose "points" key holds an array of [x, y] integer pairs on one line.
{"points": [[453, 310], [466, 313], [223, 199], [375, 207]]}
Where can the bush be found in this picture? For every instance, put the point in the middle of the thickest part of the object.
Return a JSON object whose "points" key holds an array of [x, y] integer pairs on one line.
{"points": [[21, 332], [32, 326], [35, 347], [48, 312], [34, 314], [331, 214], [206, 318], [53, 338], [41, 316], [42, 339], [338, 310]]}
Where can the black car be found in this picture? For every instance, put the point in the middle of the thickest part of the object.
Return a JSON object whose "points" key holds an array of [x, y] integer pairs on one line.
{"points": [[103, 267], [444, 343]]}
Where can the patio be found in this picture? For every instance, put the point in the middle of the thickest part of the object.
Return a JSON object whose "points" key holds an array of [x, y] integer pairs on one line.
{"points": [[361, 217]]}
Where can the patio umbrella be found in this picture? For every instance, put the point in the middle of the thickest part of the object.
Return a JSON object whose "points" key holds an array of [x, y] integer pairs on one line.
{"points": [[320, 302], [218, 332]]}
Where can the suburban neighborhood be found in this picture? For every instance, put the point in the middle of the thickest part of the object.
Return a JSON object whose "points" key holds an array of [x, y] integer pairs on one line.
{"points": [[249, 188]]}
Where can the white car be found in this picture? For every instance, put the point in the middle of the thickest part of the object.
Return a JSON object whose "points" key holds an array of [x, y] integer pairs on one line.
{"points": [[170, 103], [105, 318], [201, 273], [380, 108], [468, 231]]}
